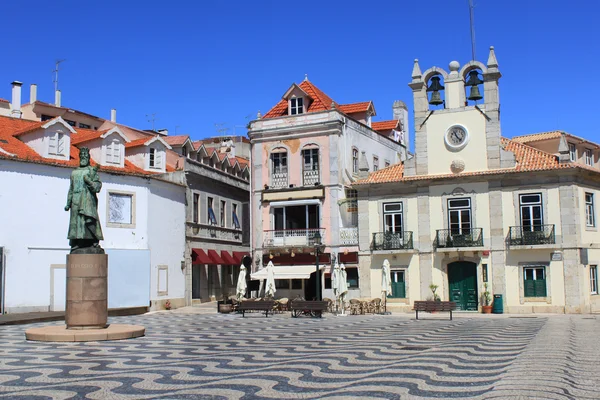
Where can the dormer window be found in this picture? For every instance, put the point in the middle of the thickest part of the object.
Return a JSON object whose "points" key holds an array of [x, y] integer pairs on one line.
{"points": [[296, 105], [155, 158], [113, 152], [56, 144]]}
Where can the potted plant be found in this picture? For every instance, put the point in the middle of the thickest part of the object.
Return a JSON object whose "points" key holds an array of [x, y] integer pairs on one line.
{"points": [[433, 288], [487, 298], [225, 306], [168, 304]]}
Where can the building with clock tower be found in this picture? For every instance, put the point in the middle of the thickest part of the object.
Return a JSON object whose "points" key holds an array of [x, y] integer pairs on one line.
{"points": [[481, 216]]}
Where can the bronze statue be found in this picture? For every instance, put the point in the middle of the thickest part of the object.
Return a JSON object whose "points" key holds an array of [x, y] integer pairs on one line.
{"points": [[85, 232]]}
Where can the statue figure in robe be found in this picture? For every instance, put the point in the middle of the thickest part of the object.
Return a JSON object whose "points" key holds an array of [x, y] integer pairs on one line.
{"points": [[85, 231]]}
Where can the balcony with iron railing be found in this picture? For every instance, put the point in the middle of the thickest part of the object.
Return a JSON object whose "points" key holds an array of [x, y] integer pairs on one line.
{"points": [[392, 240], [349, 236], [451, 238], [214, 232], [531, 235], [279, 179], [291, 237], [310, 177]]}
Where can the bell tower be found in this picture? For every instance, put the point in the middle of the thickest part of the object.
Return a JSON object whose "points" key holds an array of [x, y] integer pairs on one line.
{"points": [[457, 121]]}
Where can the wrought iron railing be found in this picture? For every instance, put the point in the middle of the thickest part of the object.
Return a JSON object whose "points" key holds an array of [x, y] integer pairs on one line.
{"points": [[393, 240], [311, 176], [445, 238], [531, 235], [215, 232], [292, 237], [349, 236], [279, 179]]}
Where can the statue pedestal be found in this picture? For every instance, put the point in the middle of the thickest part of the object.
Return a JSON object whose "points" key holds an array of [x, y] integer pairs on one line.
{"points": [[87, 291]]}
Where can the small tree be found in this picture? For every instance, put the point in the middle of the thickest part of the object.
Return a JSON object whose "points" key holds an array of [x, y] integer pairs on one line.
{"points": [[487, 296], [433, 287]]}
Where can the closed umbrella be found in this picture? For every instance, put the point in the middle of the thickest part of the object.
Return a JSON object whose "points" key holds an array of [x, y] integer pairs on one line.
{"points": [[343, 287], [335, 278], [241, 284], [270, 288], [386, 283]]}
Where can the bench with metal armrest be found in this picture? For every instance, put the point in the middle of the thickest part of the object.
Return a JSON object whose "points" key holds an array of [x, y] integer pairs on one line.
{"points": [[260, 305], [313, 308], [430, 306]]}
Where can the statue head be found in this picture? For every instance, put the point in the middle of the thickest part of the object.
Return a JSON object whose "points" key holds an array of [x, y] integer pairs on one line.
{"points": [[84, 157]]}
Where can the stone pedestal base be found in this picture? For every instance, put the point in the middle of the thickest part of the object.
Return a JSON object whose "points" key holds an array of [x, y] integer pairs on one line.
{"points": [[87, 290], [62, 334]]}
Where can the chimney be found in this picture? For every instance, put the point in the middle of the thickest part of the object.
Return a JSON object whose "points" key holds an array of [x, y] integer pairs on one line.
{"points": [[16, 99], [401, 113], [33, 93], [113, 115], [363, 166], [57, 98], [564, 155]]}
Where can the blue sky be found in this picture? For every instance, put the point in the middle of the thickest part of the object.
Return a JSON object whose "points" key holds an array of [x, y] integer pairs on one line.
{"points": [[197, 64]]}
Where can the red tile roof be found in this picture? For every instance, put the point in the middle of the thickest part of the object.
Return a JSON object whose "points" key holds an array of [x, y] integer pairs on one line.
{"points": [[537, 137], [4, 101], [177, 140], [138, 142], [9, 129], [385, 125], [86, 135], [320, 101], [528, 159], [355, 107]]}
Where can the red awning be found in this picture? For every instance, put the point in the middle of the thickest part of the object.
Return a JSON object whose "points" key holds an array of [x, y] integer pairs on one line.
{"points": [[225, 256], [200, 257], [216, 259], [238, 256]]}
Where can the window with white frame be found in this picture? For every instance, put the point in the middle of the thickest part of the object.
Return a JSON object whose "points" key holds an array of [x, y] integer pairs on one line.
{"points": [[393, 218], [279, 162], [531, 211], [572, 152], [375, 163], [534, 284], [590, 218], [593, 279], [121, 209], [234, 216], [222, 212], [296, 105], [589, 157], [310, 166], [56, 144], [113, 152], [212, 219], [459, 216], [355, 161], [155, 158]]}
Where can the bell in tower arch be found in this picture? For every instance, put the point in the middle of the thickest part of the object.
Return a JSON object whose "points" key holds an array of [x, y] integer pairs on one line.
{"points": [[474, 82], [435, 88]]}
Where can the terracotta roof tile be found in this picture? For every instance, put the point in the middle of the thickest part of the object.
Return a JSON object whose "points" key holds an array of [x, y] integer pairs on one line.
{"points": [[385, 125], [527, 158], [138, 142], [355, 107], [9, 143], [178, 140], [86, 135], [4, 101], [536, 137], [320, 101]]}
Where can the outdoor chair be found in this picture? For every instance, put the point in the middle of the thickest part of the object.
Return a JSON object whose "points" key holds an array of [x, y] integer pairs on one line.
{"points": [[283, 304], [355, 307], [377, 305], [329, 304]]}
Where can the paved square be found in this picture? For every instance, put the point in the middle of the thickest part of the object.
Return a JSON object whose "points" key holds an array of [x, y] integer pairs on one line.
{"points": [[200, 356]]}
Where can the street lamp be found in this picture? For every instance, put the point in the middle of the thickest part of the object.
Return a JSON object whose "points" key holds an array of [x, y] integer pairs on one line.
{"points": [[318, 247]]}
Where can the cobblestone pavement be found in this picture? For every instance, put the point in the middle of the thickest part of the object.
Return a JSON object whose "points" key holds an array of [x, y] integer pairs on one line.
{"points": [[212, 356]]}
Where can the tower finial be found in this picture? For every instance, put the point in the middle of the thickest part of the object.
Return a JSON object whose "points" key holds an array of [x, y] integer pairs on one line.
{"points": [[416, 72], [306, 77], [492, 62]]}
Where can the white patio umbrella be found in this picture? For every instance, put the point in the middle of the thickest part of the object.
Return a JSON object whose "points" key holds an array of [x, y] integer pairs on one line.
{"points": [[270, 285], [386, 283], [343, 286], [241, 284], [335, 278]]}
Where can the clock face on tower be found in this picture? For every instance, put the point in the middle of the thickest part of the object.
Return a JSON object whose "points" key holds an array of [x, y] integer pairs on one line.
{"points": [[456, 137]]}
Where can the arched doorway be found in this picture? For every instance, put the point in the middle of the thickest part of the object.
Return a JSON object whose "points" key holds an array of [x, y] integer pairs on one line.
{"points": [[462, 283]]}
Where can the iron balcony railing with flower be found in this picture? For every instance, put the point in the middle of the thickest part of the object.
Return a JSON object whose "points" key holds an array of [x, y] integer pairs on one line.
{"points": [[349, 236], [531, 235], [446, 238], [392, 240], [292, 237], [311, 177]]}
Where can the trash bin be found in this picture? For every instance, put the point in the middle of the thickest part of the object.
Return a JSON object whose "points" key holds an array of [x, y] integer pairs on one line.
{"points": [[498, 307]]}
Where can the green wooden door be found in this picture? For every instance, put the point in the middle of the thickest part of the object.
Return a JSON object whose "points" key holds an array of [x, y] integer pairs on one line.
{"points": [[398, 285], [462, 283]]}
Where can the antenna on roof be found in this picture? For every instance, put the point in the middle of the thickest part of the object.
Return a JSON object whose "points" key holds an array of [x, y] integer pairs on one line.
{"points": [[55, 71], [472, 23], [221, 129], [151, 118]]}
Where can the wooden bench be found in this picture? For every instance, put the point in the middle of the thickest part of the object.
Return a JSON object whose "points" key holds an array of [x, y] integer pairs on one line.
{"points": [[260, 305], [430, 306], [308, 307]]}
